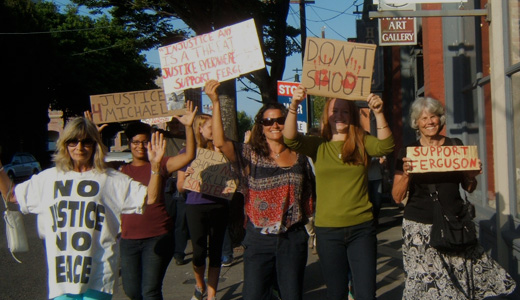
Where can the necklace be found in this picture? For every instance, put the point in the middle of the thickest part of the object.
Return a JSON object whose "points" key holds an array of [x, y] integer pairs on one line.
{"points": [[277, 155]]}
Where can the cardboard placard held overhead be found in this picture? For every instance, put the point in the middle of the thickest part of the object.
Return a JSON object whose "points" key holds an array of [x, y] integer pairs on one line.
{"points": [[128, 106], [338, 69], [212, 175], [222, 54], [443, 158]]}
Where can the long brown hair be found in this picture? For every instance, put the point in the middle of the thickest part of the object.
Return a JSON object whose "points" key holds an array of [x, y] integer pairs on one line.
{"points": [[199, 121], [258, 141], [353, 151]]}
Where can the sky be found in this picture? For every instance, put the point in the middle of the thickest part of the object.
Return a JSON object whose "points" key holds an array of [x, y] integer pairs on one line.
{"points": [[334, 17]]}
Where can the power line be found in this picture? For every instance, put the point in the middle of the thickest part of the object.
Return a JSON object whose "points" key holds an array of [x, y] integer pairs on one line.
{"points": [[55, 31]]}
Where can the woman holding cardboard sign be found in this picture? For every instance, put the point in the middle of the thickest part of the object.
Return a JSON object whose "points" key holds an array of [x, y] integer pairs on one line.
{"points": [[277, 184], [344, 222], [207, 216], [431, 273]]}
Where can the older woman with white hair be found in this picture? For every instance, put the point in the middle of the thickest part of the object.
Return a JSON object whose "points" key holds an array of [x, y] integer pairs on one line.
{"points": [[431, 274], [80, 202]]}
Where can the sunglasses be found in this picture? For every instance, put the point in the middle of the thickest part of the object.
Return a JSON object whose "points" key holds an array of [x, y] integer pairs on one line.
{"points": [[271, 121], [88, 142]]}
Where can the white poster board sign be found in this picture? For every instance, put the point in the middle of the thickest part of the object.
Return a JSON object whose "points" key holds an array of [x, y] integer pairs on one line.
{"points": [[222, 54]]}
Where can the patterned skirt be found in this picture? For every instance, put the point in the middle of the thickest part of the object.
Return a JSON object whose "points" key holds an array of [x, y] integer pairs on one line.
{"points": [[431, 275]]}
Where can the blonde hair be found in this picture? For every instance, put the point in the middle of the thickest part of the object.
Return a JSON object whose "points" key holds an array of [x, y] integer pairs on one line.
{"points": [[199, 121], [80, 128], [353, 151]]}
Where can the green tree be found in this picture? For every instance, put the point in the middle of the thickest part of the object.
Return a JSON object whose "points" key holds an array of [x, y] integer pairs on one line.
{"points": [[245, 123], [203, 16], [152, 19], [60, 59], [318, 103]]}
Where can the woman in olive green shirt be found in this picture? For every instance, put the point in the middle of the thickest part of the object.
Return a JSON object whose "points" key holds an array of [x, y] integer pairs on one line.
{"points": [[345, 229]]}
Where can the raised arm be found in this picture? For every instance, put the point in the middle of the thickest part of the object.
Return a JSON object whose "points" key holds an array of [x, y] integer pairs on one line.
{"points": [[375, 103], [156, 148], [176, 162], [219, 138], [290, 130]]}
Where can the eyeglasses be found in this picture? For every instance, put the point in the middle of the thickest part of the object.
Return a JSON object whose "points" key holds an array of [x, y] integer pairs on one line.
{"points": [[137, 143], [271, 121], [88, 142]]}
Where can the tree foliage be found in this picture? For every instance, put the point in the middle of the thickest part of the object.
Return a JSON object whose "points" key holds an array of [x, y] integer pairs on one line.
{"points": [[152, 19], [60, 59], [245, 123]]}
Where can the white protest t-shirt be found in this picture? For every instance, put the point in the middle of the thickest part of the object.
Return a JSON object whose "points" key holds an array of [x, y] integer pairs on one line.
{"points": [[80, 215]]}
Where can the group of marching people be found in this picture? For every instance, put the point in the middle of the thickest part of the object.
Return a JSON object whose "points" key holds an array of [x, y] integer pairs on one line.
{"points": [[282, 190]]}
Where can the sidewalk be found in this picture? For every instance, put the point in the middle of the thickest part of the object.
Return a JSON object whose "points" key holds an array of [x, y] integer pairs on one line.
{"points": [[179, 281]]}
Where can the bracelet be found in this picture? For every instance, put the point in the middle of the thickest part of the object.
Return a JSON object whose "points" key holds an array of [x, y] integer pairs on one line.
{"points": [[155, 173], [292, 110], [383, 127]]}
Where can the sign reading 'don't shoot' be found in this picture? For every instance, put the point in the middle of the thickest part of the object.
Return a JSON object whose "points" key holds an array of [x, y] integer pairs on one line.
{"points": [[222, 54], [338, 69], [212, 175], [443, 158]]}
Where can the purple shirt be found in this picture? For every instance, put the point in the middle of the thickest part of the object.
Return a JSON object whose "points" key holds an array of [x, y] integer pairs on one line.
{"points": [[196, 197]]}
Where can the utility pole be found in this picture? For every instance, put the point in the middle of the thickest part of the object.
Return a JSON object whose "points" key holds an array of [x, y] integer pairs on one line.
{"points": [[303, 26]]}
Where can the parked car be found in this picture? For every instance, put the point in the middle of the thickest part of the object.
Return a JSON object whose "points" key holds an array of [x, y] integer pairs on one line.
{"points": [[116, 156], [22, 165]]}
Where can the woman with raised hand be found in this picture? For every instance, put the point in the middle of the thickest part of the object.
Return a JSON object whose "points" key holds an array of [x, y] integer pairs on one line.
{"points": [[207, 218], [344, 223], [277, 184], [147, 239], [79, 204]]}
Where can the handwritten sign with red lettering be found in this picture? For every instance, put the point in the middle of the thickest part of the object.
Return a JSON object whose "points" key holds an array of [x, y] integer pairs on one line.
{"points": [[212, 176], [338, 69], [443, 158], [222, 54], [137, 105]]}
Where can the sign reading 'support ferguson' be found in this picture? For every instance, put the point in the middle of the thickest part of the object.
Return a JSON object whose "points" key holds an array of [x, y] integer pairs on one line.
{"points": [[443, 158], [223, 54]]}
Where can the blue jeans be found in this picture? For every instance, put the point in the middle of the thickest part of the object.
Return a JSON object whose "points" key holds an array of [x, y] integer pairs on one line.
{"points": [[344, 248], [227, 249], [143, 265], [274, 260]]}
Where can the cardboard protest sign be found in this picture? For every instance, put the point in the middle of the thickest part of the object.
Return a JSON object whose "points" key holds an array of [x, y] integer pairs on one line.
{"points": [[338, 69], [212, 175], [137, 105], [443, 158], [222, 54]]}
